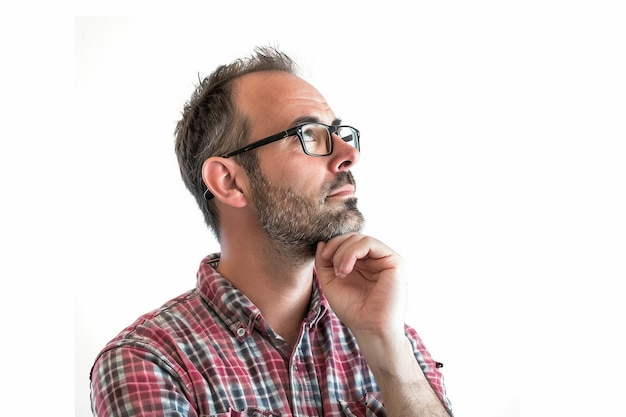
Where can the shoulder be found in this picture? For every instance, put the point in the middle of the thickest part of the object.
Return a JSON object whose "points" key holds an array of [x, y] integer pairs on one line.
{"points": [[162, 326]]}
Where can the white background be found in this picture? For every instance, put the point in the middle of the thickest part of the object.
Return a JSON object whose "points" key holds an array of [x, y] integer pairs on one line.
{"points": [[492, 160]]}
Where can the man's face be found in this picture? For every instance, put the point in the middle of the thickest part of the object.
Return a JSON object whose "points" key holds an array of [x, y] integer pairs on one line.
{"points": [[300, 199]]}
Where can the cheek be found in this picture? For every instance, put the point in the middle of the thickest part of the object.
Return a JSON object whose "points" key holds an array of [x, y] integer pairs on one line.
{"points": [[306, 186], [295, 173]]}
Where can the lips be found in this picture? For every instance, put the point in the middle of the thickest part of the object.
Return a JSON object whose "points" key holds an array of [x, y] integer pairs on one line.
{"points": [[345, 190]]}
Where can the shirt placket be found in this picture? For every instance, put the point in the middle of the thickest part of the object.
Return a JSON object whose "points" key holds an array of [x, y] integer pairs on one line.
{"points": [[305, 389]]}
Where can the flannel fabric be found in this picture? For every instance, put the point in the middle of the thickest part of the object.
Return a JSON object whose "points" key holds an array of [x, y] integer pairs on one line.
{"points": [[209, 352]]}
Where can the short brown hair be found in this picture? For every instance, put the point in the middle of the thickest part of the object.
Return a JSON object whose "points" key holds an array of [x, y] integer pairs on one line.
{"points": [[211, 125]]}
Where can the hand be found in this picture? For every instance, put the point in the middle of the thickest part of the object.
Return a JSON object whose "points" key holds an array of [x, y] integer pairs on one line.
{"points": [[361, 278]]}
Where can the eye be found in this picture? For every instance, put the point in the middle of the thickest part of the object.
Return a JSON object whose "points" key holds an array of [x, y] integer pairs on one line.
{"points": [[314, 133], [308, 135]]}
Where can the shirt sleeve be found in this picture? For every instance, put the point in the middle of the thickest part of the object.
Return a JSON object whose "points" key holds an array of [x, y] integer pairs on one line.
{"points": [[132, 381], [430, 367]]}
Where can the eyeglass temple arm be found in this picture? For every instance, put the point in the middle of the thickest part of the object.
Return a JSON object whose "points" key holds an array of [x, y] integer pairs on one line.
{"points": [[258, 143]]}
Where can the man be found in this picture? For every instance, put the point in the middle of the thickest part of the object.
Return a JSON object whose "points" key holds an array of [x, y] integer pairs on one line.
{"points": [[299, 314]]}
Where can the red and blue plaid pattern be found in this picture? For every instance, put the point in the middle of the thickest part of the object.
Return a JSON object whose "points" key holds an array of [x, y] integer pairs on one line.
{"points": [[209, 352]]}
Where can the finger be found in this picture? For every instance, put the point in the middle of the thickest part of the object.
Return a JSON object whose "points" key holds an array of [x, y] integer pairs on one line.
{"points": [[348, 249], [327, 255], [322, 260], [330, 247], [348, 252], [366, 254]]}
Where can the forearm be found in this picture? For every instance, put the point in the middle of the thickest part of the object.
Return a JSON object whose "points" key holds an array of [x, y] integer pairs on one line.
{"points": [[404, 387], [362, 280]]}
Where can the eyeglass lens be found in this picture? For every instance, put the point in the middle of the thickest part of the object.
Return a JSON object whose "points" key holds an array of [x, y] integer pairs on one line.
{"points": [[318, 141]]}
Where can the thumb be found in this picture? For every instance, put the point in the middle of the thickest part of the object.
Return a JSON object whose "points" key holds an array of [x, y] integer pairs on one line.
{"points": [[323, 264], [319, 260]]}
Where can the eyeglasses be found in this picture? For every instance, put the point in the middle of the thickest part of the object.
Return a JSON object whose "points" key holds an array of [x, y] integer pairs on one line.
{"points": [[315, 138]]}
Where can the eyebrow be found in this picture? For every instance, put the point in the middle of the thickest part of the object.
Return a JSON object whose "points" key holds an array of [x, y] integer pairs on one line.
{"points": [[313, 119]]}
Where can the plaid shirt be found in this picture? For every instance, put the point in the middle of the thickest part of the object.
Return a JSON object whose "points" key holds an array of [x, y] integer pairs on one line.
{"points": [[209, 352]]}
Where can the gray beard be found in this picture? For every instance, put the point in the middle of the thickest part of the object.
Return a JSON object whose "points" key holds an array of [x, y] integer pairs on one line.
{"points": [[295, 224]]}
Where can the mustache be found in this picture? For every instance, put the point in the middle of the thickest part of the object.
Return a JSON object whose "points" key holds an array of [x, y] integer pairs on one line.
{"points": [[343, 178]]}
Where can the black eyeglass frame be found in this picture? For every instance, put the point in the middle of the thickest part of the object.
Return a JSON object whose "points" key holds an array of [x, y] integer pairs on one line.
{"points": [[297, 131]]}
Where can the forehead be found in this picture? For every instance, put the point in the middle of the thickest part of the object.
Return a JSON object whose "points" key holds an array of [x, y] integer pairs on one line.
{"points": [[274, 100]]}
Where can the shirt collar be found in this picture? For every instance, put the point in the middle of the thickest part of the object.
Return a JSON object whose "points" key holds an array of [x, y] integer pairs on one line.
{"points": [[236, 310]]}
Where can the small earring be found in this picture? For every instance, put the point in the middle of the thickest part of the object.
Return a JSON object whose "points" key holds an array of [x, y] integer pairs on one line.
{"points": [[208, 195]]}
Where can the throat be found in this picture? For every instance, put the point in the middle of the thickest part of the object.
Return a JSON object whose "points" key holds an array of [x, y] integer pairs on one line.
{"points": [[286, 315]]}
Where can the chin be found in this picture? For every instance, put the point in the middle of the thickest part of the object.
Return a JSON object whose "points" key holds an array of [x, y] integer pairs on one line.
{"points": [[348, 224]]}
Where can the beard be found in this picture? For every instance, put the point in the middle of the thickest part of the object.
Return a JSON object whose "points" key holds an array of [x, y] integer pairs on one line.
{"points": [[296, 222]]}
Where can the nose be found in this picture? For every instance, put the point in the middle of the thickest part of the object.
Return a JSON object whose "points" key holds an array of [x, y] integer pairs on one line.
{"points": [[344, 155]]}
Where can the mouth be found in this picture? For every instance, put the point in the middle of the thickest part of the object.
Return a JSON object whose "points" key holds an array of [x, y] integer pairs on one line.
{"points": [[343, 191]]}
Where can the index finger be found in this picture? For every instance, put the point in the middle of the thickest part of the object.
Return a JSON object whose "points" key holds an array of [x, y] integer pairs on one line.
{"points": [[344, 251]]}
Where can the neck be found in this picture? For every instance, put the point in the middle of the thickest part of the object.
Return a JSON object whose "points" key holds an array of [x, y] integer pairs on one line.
{"points": [[279, 284]]}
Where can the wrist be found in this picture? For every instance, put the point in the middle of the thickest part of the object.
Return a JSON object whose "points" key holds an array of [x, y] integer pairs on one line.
{"points": [[390, 356]]}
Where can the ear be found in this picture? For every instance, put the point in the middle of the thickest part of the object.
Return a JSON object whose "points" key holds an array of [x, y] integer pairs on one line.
{"points": [[221, 176]]}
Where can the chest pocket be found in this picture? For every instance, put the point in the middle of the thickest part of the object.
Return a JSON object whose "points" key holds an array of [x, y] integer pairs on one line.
{"points": [[371, 405]]}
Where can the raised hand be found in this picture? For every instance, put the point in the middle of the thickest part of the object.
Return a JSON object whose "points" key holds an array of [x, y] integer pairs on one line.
{"points": [[361, 278]]}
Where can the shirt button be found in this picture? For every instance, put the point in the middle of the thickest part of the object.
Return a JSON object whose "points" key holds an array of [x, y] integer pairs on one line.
{"points": [[241, 331]]}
